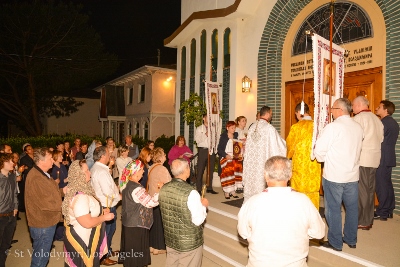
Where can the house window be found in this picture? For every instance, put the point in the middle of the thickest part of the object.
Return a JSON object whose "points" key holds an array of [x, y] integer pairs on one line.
{"points": [[130, 96], [203, 40], [142, 93], [137, 129], [146, 131]]}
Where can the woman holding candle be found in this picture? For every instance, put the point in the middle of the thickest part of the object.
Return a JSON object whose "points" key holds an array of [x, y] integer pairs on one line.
{"points": [[137, 217], [67, 153], [84, 219], [157, 177]]}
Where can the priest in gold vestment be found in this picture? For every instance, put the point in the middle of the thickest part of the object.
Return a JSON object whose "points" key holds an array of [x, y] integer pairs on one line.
{"points": [[306, 172]]}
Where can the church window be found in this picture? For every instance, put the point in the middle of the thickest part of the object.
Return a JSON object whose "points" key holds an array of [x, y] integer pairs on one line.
{"points": [[351, 23]]}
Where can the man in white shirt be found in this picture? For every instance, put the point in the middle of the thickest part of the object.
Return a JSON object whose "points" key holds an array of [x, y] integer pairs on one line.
{"points": [[278, 222], [339, 146], [369, 160], [202, 141], [183, 211], [107, 192]]}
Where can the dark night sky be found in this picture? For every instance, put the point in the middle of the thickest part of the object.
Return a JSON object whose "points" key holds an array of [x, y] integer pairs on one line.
{"points": [[131, 29], [135, 29]]}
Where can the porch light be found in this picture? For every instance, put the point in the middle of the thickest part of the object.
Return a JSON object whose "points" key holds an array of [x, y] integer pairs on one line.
{"points": [[246, 84]]}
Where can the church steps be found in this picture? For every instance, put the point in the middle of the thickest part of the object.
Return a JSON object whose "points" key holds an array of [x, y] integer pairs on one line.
{"points": [[221, 237], [225, 248]]}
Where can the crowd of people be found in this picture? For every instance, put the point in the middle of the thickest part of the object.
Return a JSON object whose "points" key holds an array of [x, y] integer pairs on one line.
{"points": [[71, 194]]}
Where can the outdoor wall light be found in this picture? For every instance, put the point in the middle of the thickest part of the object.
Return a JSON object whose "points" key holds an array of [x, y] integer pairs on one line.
{"points": [[246, 84]]}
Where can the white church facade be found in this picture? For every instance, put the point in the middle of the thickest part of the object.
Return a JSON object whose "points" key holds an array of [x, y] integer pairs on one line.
{"points": [[265, 41]]}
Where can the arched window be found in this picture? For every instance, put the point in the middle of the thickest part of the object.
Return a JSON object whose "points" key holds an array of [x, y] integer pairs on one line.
{"points": [[227, 47], [146, 131], [183, 63], [192, 57], [137, 129], [214, 49], [351, 24], [203, 42], [129, 128]]}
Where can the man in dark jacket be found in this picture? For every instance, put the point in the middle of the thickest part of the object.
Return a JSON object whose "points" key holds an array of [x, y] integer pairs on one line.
{"points": [[384, 185]]}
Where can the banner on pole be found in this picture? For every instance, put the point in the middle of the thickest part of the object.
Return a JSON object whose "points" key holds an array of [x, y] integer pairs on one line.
{"points": [[213, 105], [322, 90]]}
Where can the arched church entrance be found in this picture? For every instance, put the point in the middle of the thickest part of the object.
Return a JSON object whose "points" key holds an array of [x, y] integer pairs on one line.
{"points": [[367, 83], [271, 83]]}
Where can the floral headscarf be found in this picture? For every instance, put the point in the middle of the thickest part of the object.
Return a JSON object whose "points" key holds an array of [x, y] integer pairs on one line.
{"points": [[130, 169], [76, 183]]}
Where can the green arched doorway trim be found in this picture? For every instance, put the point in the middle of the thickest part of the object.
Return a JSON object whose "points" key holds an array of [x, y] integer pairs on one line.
{"points": [[269, 65]]}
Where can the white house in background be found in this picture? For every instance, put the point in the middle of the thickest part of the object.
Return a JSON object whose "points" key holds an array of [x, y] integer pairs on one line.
{"points": [[141, 102]]}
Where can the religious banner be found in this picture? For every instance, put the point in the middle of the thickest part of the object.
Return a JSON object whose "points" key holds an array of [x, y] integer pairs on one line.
{"points": [[322, 88], [213, 105]]}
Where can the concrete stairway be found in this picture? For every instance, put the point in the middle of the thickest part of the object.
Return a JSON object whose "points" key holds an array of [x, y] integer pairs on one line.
{"points": [[222, 246]]}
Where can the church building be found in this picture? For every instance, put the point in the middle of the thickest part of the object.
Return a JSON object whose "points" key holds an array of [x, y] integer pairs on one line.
{"points": [[264, 42]]}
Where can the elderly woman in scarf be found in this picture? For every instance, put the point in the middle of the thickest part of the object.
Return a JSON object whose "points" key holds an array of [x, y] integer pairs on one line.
{"points": [[137, 217], [85, 241]]}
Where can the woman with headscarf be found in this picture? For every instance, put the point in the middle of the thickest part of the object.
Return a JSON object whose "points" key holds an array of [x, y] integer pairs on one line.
{"points": [[137, 217], [85, 238]]}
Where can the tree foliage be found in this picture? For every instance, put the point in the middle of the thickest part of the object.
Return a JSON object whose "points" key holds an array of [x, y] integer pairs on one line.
{"points": [[46, 50]]}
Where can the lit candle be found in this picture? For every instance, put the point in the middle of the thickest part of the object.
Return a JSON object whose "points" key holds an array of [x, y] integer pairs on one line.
{"points": [[58, 174], [203, 190], [112, 199]]}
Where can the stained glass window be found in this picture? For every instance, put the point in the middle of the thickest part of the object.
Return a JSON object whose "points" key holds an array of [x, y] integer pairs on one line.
{"points": [[350, 24]]}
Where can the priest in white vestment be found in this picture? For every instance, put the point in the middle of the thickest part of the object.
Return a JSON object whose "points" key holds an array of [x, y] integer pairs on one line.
{"points": [[263, 141]]}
